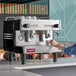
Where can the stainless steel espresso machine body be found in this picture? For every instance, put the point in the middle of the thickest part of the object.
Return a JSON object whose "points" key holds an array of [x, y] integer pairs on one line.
{"points": [[30, 35]]}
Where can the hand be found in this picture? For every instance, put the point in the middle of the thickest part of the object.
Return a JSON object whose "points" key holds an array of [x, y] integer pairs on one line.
{"points": [[56, 44], [53, 42]]}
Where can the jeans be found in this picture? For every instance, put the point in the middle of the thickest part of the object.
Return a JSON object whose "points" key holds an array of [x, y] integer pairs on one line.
{"points": [[69, 50]]}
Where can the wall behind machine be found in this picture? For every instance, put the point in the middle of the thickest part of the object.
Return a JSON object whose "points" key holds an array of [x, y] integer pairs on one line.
{"points": [[35, 8], [65, 10]]}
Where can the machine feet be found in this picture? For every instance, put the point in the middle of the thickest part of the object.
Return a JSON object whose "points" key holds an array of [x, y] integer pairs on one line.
{"points": [[23, 59], [54, 57]]}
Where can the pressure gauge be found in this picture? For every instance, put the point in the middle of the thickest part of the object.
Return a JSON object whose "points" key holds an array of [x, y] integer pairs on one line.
{"points": [[20, 37]]}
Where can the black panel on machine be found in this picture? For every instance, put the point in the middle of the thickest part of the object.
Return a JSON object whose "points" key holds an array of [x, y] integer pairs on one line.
{"points": [[17, 24], [8, 35], [9, 29]]}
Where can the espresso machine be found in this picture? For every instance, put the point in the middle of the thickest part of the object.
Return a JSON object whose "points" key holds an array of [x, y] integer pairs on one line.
{"points": [[27, 35]]}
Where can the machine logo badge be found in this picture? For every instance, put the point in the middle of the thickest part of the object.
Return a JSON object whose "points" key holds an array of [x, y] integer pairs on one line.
{"points": [[30, 50]]}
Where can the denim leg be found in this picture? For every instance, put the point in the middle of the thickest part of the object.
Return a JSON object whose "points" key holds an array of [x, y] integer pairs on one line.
{"points": [[70, 50]]}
